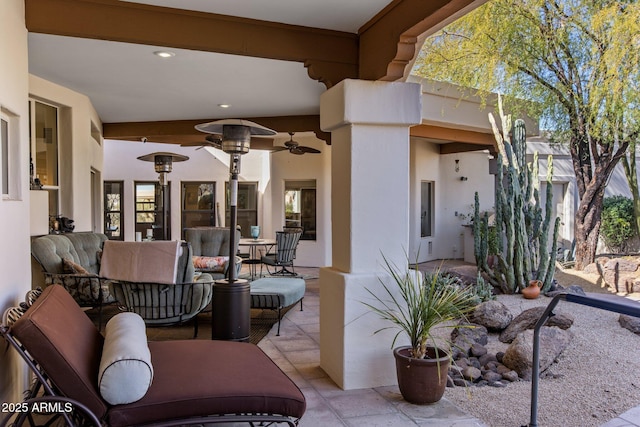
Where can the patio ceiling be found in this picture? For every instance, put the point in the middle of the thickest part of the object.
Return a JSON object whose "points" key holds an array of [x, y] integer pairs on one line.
{"points": [[268, 63]]}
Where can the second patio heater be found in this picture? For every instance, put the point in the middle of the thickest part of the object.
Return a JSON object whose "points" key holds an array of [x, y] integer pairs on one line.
{"points": [[231, 319], [163, 164]]}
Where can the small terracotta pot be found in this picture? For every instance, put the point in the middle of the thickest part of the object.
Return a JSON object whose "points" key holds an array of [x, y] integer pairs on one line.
{"points": [[533, 290]]}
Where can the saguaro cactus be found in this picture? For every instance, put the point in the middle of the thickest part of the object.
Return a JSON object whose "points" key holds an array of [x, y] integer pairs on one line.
{"points": [[522, 229]]}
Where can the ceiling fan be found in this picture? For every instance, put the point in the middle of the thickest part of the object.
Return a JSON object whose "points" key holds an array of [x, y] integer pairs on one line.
{"points": [[295, 148]]}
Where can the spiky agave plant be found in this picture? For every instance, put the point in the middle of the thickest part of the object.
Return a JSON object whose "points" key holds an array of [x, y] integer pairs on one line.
{"points": [[423, 302]]}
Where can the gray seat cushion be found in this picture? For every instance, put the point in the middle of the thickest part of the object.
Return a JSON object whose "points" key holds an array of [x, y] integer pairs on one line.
{"points": [[288, 290]]}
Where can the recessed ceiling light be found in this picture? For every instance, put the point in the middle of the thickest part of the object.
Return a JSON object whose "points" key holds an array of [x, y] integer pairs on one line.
{"points": [[224, 105], [164, 54]]}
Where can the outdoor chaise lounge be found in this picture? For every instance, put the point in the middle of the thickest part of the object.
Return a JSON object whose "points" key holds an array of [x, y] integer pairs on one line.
{"points": [[192, 381]]}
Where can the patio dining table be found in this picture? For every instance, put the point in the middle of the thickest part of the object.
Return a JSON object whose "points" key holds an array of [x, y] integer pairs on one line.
{"points": [[254, 259]]}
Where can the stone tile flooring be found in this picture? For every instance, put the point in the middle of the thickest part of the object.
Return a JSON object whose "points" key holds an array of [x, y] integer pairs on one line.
{"points": [[297, 352]]}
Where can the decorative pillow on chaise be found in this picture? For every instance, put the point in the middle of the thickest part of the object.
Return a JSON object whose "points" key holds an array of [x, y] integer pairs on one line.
{"points": [[126, 372]]}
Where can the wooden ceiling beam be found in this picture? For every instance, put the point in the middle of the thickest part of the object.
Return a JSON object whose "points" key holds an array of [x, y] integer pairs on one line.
{"points": [[452, 135], [461, 147], [389, 41], [183, 131], [330, 56]]}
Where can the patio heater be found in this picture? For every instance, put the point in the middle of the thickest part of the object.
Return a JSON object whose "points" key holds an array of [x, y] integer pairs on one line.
{"points": [[231, 319], [163, 163]]}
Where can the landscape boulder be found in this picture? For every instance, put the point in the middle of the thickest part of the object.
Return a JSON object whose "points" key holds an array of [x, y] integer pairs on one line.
{"points": [[528, 319], [629, 322], [493, 315], [464, 337], [519, 354]]}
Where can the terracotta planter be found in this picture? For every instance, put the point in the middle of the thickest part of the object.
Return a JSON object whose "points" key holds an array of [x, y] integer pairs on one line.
{"points": [[421, 380], [533, 290]]}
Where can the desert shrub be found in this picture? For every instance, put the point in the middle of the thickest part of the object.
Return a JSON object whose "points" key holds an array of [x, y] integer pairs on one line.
{"points": [[617, 226], [482, 290]]}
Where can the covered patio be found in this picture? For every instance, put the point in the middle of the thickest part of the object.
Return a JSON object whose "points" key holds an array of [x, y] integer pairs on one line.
{"points": [[358, 105]]}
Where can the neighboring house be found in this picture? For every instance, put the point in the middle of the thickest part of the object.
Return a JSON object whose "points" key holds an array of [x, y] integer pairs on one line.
{"points": [[565, 191]]}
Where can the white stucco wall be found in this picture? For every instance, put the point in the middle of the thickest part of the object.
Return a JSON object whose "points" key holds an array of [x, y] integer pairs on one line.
{"points": [[80, 154], [269, 170], [15, 278], [454, 198], [286, 167]]}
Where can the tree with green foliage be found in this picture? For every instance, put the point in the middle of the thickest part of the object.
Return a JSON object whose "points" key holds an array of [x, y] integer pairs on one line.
{"points": [[574, 64], [618, 222]]}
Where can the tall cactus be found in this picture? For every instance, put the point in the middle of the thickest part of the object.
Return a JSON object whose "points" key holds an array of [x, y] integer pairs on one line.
{"points": [[522, 229]]}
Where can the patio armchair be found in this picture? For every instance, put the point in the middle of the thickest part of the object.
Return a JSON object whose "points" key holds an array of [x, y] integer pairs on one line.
{"points": [[157, 281], [72, 260], [210, 246], [285, 253]]}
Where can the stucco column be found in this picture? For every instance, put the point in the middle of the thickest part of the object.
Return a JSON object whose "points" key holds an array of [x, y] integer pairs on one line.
{"points": [[369, 124]]}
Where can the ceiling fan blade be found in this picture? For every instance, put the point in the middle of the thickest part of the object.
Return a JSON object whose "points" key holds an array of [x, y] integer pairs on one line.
{"points": [[307, 149]]}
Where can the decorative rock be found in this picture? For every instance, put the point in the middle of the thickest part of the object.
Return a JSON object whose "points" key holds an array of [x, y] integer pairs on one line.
{"points": [[629, 322], [519, 355], [499, 356], [463, 338], [473, 361], [511, 376], [492, 376], [478, 350], [487, 360], [471, 373], [460, 348], [528, 319], [494, 315], [472, 333], [501, 369]]}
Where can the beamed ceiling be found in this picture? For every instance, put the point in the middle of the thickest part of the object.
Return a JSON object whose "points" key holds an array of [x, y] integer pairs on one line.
{"points": [[269, 63]]}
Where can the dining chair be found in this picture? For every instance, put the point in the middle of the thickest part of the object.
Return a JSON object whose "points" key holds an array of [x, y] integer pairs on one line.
{"points": [[285, 252]]}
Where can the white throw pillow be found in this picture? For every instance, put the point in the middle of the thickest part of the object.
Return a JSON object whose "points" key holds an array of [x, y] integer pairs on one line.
{"points": [[125, 368]]}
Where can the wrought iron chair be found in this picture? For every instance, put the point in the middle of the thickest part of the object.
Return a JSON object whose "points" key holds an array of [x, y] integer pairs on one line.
{"points": [[285, 253]]}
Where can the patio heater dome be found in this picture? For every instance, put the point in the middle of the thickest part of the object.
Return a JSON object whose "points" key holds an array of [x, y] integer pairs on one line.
{"points": [[163, 163], [236, 133]]}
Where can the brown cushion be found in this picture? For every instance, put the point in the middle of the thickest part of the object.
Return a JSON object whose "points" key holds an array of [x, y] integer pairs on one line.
{"points": [[70, 267], [199, 377], [60, 336]]}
